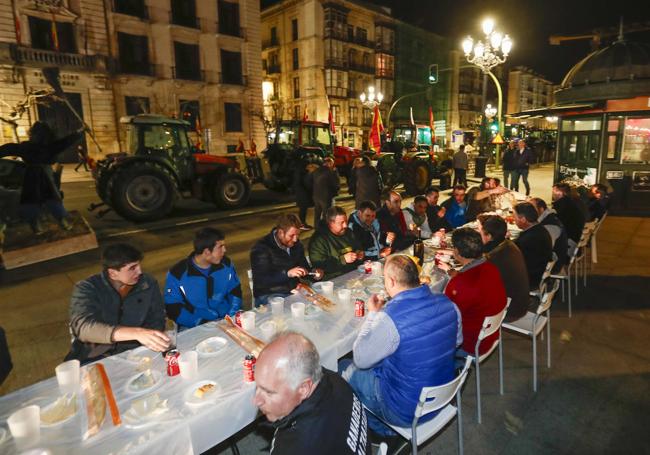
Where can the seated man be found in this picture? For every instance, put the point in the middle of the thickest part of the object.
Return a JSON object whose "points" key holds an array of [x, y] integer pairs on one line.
{"points": [[482, 199], [569, 212], [477, 289], [435, 213], [415, 217], [391, 219], [534, 242], [456, 207], [365, 227], [204, 286], [116, 310], [312, 409], [402, 346], [333, 248], [278, 260], [598, 202], [548, 218], [505, 255]]}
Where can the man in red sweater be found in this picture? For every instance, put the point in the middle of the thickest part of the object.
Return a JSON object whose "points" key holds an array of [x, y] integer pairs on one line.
{"points": [[476, 289]]}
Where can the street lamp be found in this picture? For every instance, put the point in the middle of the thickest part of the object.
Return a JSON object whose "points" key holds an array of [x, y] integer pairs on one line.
{"points": [[486, 55], [372, 99], [490, 111]]}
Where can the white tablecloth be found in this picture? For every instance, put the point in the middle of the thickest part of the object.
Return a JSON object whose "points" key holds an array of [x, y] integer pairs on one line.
{"points": [[183, 430]]}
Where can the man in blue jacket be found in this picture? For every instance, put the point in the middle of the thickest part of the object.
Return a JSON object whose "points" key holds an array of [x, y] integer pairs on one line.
{"points": [[204, 286], [403, 345]]}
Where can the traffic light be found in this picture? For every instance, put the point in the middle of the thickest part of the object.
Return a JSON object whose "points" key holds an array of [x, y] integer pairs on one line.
{"points": [[433, 73]]}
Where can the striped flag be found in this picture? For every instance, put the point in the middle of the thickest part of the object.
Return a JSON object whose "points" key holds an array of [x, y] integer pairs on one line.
{"points": [[55, 35], [376, 130], [432, 126]]}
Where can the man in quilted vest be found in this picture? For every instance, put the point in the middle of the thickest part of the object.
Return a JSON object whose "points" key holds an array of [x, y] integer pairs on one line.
{"points": [[403, 345]]}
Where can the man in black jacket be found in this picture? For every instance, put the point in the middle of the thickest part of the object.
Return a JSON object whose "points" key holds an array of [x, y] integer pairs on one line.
{"points": [[435, 212], [365, 227], [278, 261], [325, 186], [523, 158], [534, 242], [569, 212], [367, 183], [314, 411], [548, 218], [391, 220], [508, 160]]}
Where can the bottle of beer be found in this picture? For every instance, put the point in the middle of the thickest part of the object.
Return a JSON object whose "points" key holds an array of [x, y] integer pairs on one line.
{"points": [[418, 248]]}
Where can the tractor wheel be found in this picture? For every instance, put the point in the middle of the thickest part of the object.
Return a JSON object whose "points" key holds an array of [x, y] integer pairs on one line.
{"points": [[387, 168], [231, 190], [143, 191], [101, 185], [416, 177]]}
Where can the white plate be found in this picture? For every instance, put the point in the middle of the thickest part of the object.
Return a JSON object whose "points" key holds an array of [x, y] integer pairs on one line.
{"points": [[134, 420], [3, 435], [210, 346], [375, 289], [312, 311], [131, 388], [51, 405], [368, 282], [193, 400], [136, 355]]}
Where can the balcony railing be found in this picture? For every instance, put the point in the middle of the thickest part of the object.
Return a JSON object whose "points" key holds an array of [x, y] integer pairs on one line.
{"points": [[188, 74], [361, 41], [273, 69], [140, 69], [227, 29], [335, 34], [273, 42], [336, 62], [385, 73], [184, 21], [361, 68], [232, 80], [41, 57], [384, 47]]}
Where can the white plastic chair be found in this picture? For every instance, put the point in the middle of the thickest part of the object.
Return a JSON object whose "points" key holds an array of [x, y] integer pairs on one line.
{"points": [[532, 324], [594, 252], [581, 254], [433, 399], [250, 284], [537, 293], [491, 324]]}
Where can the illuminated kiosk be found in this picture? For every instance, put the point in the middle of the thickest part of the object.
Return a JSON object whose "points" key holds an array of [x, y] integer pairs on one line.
{"points": [[603, 110]]}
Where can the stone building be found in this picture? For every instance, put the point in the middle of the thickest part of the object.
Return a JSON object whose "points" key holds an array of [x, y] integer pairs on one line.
{"points": [[195, 59], [529, 90]]}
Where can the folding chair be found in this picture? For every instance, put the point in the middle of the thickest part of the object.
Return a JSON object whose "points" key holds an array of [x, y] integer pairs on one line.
{"points": [[433, 399], [532, 324], [491, 324]]}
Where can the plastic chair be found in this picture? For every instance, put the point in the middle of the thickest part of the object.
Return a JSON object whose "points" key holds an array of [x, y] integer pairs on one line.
{"points": [[433, 399], [581, 254], [491, 324], [594, 252], [532, 324], [545, 276], [250, 284]]}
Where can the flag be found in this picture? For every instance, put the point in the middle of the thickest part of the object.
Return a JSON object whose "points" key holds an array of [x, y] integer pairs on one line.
{"points": [[253, 147], [240, 147], [19, 39], [432, 126], [376, 130], [55, 36], [330, 118], [411, 115], [305, 117]]}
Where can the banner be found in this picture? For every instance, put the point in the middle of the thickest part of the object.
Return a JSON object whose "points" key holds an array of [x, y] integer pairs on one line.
{"points": [[376, 130]]}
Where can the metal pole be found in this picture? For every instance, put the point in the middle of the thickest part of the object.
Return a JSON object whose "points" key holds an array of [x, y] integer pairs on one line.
{"points": [[397, 101], [499, 117]]}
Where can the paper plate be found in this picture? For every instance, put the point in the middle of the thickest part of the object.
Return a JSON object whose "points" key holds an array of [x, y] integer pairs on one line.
{"points": [[133, 387], [210, 346], [192, 400], [135, 420], [59, 402], [136, 355]]}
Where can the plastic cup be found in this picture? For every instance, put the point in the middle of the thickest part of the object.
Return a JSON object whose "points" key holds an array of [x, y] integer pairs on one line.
{"points": [[435, 241], [344, 296], [67, 375], [277, 306], [268, 329], [188, 363], [248, 320], [25, 424], [298, 311], [376, 268], [145, 406], [327, 287]]}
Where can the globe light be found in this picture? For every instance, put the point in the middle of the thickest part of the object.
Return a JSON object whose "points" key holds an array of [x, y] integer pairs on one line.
{"points": [[380, 97], [362, 97], [468, 44], [372, 98], [506, 45], [488, 25], [495, 39], [479, 49]]}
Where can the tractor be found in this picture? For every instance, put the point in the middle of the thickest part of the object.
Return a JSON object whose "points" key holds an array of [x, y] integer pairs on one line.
{"points": [[159, 166]]}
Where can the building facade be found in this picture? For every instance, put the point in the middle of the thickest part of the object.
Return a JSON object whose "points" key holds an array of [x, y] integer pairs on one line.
{"points": [[528, 90], [192, 59]]}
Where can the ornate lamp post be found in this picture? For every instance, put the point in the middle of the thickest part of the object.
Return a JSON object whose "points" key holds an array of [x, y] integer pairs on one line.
{"points": [[486, 55], [372, 99]]}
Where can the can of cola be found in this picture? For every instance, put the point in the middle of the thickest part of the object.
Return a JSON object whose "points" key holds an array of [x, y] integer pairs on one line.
{"points": [[359, 308], [368, 266], [171, 357], [238, 318], [249, 368]]}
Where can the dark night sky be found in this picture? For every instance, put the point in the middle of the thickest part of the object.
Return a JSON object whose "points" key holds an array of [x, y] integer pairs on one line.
{"points": [[528, 22]]}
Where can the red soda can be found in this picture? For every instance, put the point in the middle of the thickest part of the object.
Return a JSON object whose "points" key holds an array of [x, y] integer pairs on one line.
{"points": [[249, 368], [368, 266], [171, 357], [238, 318], [359, 308]]}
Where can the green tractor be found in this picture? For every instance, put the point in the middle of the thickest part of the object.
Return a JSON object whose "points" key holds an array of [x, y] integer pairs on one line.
{"points": [[159, 166]]}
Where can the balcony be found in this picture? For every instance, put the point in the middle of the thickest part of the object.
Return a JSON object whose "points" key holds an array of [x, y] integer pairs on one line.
{"points": [[131, 8], [139, 69], [337, 92], [386, 48], [336, 62], [231, 30], [40, 57], [353, 94], [385, 73], [188, 74], [273, 69], [362, 41], [331, 33], [361, 68], [232, 79], [273, 42]]}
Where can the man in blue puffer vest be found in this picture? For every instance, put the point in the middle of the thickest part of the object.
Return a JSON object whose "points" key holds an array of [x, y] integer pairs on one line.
{"points": [[402, 346], [204, 286]]}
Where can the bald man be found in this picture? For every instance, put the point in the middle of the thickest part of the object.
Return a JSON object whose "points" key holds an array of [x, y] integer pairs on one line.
{"points": [[313, 410]]}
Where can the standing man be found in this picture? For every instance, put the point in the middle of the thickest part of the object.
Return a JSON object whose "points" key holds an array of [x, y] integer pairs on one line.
{"points": [[456, 207], [333, 248], [508, 164], [521, 165], [367, 182], [325, 186], [435, 213], [391, 220], [534, 242], [313, 410], [278, 261], [116, 310], [366, 230], [459, 160], [204, 286], [403, 345]]}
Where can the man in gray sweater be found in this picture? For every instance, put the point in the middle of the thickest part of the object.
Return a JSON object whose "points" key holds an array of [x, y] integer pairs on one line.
{"points": [[118, 309]]}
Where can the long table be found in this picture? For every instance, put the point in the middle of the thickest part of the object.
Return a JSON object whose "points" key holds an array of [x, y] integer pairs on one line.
{"points": [[184, 429]]}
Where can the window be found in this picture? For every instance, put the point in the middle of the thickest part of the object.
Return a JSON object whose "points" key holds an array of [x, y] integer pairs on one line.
{"points": [[294, 29], [384, 65], [188, 63], [233, 117], [134, 54], [334, 55], [335, 113], [353, 115], [135, 8], [184, 13], [136, 105], [336, 83], [296, 87], [362, 35], [43, 36], [613, 138], [190, 112], [350, 33], [229, 18], [335, 23], [294, 55], [274, 36], [367, 116], [231, 68], [296, 112], [585, 124], [636, 141]]}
